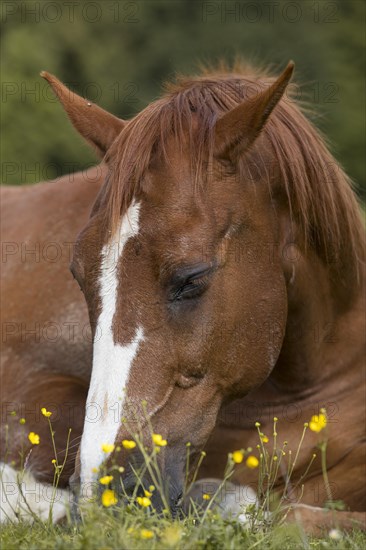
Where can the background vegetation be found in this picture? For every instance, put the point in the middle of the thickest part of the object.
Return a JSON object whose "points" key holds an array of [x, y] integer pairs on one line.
{"points": [[117, 53]]}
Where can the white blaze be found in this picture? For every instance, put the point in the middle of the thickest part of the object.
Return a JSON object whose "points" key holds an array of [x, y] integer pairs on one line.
{"points": [[111, 361]]}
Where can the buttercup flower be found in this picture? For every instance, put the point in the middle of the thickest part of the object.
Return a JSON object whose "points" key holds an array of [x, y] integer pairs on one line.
{"points": [[318, 422], [22, 421], [252, 462], [45, 412], [128, 444], [143, 501], [34, 438], [147, 494], [109, 498], [205, 496], [146, 534], [158, 440], [238, 457], [105, 480], [107, 447], [264, 438]]}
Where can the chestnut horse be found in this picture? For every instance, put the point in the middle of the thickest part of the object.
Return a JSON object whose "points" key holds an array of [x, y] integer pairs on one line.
{"points": [[222, 268]]}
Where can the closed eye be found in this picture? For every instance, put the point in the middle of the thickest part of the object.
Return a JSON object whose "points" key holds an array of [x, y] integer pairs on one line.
{"points": [[190, 283]]}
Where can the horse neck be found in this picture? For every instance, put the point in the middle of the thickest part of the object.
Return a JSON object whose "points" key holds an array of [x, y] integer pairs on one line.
{"points": [[323, 337]]}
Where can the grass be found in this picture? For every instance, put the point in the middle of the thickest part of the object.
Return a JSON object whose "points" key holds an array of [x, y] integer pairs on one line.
{"points": [[102, 530], [105, 525]]}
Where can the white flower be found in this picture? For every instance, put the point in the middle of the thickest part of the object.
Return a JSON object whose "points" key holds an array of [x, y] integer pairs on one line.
{"points": [[334, 534]]}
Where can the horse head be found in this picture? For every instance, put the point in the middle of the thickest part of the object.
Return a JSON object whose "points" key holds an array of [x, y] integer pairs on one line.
{"points": [[182, 250]]}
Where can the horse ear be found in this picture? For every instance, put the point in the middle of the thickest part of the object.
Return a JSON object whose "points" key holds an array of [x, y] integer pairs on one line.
{"points": [[96, 125], [237, 129]]}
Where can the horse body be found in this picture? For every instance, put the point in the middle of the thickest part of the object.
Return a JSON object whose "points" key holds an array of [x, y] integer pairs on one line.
{"points": [[46, 345], [221, 269]]}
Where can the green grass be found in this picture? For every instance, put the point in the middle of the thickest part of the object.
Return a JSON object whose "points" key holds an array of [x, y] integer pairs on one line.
{"points": [[136, 525], [121, 529]]}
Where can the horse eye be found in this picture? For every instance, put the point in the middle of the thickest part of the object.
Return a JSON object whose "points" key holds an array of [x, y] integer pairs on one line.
{"points": [[191, 289], [190, 284]]}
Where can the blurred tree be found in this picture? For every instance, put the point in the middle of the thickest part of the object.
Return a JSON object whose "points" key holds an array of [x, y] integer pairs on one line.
{"points": [[117, 53]]}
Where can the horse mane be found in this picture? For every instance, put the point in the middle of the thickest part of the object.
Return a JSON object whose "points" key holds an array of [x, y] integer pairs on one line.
{"points": [[319, 194]]}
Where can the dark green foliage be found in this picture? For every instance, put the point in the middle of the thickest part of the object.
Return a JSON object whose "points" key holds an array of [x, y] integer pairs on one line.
{"points": [[118, 54]]}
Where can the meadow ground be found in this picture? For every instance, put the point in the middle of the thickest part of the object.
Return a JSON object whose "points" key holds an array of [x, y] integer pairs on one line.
{"points": [[102, 530]]}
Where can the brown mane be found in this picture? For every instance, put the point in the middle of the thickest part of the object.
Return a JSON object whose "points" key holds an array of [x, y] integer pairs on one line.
{"points": [[319, 193]]}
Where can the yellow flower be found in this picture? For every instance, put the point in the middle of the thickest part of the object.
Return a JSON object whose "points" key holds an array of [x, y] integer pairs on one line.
{"points": [[105, 480], [318, 422], [22, 421], [34, 438], [158, 440], [152, 488], [128, 444], [146, 534], [205, 496], [95, 470], [143, 501], [53, 461], [121, 469], [45, 412], [107, 447], [238, 457], [252, 462], [264, 438], [109, 498], [147, 494]]}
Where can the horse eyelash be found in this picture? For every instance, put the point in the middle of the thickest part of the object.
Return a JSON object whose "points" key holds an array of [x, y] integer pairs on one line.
{"points": [[198, 283]]}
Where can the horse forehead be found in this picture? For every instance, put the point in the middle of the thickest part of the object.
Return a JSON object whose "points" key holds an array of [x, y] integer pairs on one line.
{"points": [[172, 192], [177, 214]]}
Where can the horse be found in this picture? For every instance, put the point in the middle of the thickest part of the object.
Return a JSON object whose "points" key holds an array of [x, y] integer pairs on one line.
{"points": [[220, 258]]}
